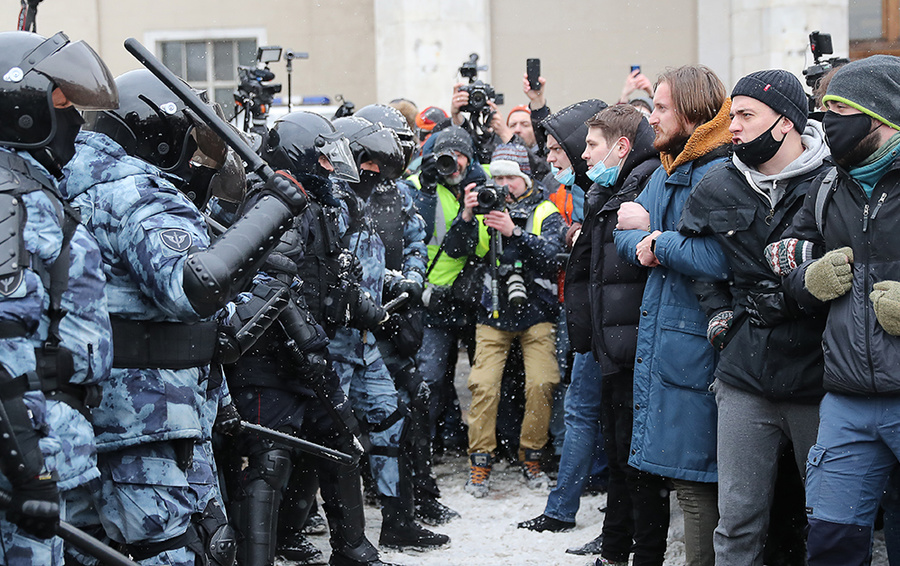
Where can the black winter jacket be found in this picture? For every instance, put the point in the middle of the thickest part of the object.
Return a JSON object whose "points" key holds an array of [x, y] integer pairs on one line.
{"points": [[860, 357], [782, 361], [614, 287]]}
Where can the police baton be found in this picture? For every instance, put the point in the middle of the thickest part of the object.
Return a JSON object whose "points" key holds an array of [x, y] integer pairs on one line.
{"points": [[393, 305], [298, 443], [82, 541]]}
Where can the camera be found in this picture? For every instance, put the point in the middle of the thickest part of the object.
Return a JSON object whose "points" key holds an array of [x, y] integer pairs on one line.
{"points": [[516, 292], [491, 196], [255, 90], [820, 45], [479, 91], [446, 163]]}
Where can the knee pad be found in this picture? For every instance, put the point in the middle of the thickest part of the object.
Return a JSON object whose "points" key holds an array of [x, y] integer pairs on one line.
{"points": [[218, 538], [272, 466]]}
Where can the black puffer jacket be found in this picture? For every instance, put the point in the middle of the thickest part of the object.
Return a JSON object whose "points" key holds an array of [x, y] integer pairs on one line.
{"points": [[569, 129], [782, 361], [616, 287], [860, 357]]}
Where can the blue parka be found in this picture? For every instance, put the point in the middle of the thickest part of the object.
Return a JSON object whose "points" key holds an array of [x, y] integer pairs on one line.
{"points": [[674, 412]]}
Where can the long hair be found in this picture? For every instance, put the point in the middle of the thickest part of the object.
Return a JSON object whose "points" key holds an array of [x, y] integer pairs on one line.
{"points": [[697, 93]]}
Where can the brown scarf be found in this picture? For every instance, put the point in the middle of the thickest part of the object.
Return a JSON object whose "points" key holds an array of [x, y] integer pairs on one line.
{"points": [[706, 137]]}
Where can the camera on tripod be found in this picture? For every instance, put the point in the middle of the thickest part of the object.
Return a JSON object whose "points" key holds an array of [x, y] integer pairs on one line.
{"points": [[479, 91], [491, 196], [255, 91], [820, 44]]}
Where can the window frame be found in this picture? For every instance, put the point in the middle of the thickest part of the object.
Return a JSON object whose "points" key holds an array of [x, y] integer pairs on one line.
{"points": [[889, 42]]}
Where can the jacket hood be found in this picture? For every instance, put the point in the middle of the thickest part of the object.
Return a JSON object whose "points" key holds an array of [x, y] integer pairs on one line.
{"points": [[98, 159], [706, 138], [642, 149], [568, 128]]}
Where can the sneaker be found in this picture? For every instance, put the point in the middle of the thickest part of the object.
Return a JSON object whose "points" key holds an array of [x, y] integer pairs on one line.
{"points": [[543, 523], [479, 483], [593, 547], [534, 476], [432, 512]]}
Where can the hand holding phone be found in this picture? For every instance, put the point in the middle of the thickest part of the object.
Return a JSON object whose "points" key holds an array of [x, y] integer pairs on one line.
{"points": [[533, 71]]}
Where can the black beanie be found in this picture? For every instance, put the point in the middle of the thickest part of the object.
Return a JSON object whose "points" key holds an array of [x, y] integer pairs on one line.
{"points": [[454, 138], [779, 90]]}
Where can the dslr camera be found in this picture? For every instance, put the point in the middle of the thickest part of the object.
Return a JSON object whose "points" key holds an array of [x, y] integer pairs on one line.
{"points": [[491, 196], [516, 292], [446, 163], [479, 91]]}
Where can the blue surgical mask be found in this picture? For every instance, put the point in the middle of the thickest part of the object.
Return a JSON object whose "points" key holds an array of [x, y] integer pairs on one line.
{"points": [[603, 175], [565, 176]]}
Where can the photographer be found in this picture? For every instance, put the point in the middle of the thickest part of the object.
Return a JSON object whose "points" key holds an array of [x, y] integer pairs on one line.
{"points": [[519, 300]]}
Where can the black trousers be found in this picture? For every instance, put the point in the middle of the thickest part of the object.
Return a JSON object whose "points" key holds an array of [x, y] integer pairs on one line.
{"points": [[637, 515]]}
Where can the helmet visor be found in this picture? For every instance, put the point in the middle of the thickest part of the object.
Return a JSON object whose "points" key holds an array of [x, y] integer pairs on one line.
{"points": [[209, 143], [82, 76], [383, 147], [336, 149]]}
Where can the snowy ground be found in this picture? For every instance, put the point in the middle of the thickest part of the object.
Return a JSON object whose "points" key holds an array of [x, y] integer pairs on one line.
{"points": [[486, 533]]}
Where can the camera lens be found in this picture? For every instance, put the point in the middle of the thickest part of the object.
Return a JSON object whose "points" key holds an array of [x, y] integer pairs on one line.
{"points": [[477, 99], [487, 197], [446, 164], [516, 291]]}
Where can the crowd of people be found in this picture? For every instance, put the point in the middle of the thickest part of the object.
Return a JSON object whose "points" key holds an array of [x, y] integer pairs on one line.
{"points": [[684, 289]]}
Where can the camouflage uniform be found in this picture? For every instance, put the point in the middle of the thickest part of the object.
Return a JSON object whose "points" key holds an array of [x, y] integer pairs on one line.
{"points": [[24, 301], [365, 378], [144, 227]]}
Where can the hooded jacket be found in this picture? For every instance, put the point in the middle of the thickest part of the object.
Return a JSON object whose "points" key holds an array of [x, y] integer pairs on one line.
{"points": [[744, 211], [569, 129], [603, 292], [674, 431]]}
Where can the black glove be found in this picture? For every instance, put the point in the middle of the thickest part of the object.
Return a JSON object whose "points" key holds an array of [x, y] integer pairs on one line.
{"points": [[35, 506], [288, 190], [228, 420], [350, 266], [368, 315], [768, 306], [428, 177]]}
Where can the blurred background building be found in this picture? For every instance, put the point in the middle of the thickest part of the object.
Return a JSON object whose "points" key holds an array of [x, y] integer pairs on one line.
{"points": [[378, 50]]}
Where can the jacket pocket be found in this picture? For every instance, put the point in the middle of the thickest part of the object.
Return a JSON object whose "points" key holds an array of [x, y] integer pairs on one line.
{"points": [[731, 219], [684, 358]]}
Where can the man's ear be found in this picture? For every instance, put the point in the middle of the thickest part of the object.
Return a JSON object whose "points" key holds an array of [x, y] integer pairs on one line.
{"points": [[786, 126], [623, 148]]}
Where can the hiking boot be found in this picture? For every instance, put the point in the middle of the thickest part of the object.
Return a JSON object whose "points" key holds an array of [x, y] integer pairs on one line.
{"points": [[479, 483], [315, 525], [298, 549], [534, 477], [593, 547], [432, 512], [543, 523], [400, 532]]}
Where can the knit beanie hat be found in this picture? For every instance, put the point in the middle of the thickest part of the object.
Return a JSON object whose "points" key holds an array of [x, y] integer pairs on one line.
{"points": [[779, 90], [511, 159], [520, 108], [871, 85], [456, 139]]}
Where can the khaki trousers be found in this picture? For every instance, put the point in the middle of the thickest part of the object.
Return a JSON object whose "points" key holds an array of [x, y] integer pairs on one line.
{"points": [[541, 377]]}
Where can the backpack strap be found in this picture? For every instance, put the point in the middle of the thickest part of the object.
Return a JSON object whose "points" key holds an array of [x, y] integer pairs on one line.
{"points": [[826, 188]]}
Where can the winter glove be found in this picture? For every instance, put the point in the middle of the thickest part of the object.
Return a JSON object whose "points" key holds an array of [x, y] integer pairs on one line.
{"points": [[784, 256], [718, 327], [35, 506], [886, 300], [831, 276], [350, 266], [409, 286], [368, 315], [767, 306], [288, 190], [228, 420], [428, 177]]}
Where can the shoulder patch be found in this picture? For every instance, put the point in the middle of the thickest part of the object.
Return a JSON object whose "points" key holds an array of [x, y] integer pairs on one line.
{"points": [[176, 239], [9, 284]]}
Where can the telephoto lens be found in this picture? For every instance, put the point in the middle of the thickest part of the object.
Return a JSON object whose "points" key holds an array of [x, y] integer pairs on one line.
{"points": [[446, 163]]}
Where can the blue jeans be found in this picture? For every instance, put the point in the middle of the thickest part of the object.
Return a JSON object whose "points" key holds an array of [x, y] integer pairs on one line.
{"points": [[582, 429], [846, 474]]}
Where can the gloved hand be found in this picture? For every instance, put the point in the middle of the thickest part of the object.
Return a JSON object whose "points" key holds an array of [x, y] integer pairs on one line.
{"points": [[718, 327], [350, 265], [368, 315], [886, 300], [35, 506], [288, 190], [831, 276], [408, 286], [767, 306], [785, 255], [428, 175], [228, 420]]}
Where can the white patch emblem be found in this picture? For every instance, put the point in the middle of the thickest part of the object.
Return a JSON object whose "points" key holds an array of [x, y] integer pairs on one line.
{"points": [[176, 239], [169, 108], [13, 75], [8, 285]]}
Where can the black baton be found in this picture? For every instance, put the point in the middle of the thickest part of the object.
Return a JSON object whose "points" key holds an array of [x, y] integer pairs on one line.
{"points": [[299, 443]]}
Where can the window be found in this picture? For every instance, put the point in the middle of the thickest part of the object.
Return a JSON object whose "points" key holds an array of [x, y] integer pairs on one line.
{"points": [[210, 65], [874, 27]]}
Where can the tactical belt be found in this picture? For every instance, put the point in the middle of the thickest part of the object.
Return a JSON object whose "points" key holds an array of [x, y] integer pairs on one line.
{"points": [[79, 397], [11, 329], [162, 345]]}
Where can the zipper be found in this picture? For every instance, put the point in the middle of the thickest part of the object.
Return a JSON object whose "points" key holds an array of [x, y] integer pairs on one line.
{"points": [[865, 218], [878, 205]]}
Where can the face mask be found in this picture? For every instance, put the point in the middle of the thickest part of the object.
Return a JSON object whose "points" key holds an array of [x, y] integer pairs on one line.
{"points": [[68, 124], [844, 133], [367, 182], [760, 149], [603, 175], [565, 176]]}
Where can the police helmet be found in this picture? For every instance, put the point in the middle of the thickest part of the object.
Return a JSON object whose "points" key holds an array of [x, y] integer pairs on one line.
{"points": [[153, 124], [373, 142], [298, 139], [393, 119], [31, 67]]}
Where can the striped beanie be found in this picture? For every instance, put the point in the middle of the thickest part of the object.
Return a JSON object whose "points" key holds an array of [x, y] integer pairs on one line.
{"points": [[511, 159]]}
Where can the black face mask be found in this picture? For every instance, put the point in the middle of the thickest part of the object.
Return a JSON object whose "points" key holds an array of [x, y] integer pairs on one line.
{"points": [[368, 180], [68, 124], [844, 133], [760, 149]]}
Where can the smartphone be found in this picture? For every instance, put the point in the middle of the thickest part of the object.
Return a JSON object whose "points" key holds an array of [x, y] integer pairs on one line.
{"points": [[636, 68], [533, 70]]}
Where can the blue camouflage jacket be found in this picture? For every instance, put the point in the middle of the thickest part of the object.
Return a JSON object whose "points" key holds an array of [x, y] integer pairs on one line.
{"points": [[144, 227]]}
